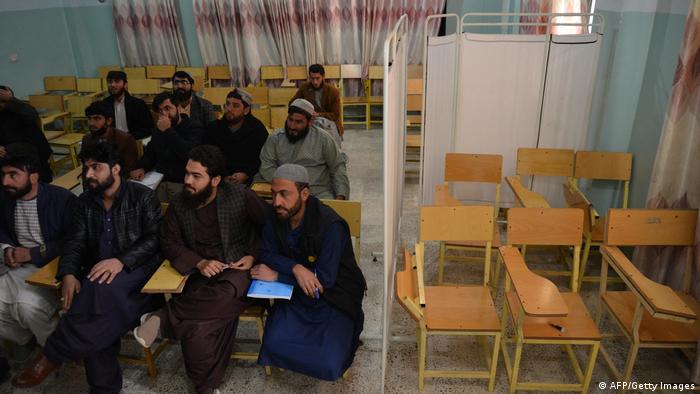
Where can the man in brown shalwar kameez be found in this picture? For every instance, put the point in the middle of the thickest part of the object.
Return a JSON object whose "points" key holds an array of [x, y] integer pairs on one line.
{"points": [[211, 231]]}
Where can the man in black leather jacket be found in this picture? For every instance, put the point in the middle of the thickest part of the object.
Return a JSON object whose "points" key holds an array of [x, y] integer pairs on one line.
{"points": [[111, 252]]}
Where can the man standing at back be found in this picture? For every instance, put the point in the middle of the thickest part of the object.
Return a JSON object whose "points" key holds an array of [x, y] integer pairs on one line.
{"points": [[325, 97], [130, 113]]}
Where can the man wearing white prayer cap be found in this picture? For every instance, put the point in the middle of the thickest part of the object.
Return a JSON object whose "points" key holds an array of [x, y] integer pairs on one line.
{"points": [[307, 245], [301, 142]]}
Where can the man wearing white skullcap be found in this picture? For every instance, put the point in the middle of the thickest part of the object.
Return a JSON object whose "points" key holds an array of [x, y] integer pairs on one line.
{"points": [[307, 245], [301, 142]]}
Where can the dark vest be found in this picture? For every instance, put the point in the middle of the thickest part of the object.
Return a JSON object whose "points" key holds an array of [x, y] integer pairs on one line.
{"points": [[350, 286], [234, 224]]}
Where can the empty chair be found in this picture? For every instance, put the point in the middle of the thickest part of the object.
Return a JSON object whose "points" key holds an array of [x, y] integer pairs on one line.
{"points": [[538, 312], [472, 168], [451, 310], [649, 314]]}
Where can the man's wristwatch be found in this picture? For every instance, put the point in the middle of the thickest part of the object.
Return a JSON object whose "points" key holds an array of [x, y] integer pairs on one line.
{"points": [[42, 251]]}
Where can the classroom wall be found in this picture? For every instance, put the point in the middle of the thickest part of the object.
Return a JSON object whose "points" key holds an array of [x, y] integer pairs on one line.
{"points": [[638, 59], [66, 37]]}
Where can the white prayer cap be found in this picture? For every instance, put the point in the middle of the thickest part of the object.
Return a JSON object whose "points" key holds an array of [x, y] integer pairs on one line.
{"points": [[303, 105], [242, 95], [292, 172]]}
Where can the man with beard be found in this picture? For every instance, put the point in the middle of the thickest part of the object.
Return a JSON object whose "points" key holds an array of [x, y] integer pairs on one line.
{"points": [[195, 107], [240, 136], [301, 142], [210, 233], [110, 252], [35, 219], [130, 113], [100, 116], [324, 97], [174, 136], [308, 245], [20, 123]]}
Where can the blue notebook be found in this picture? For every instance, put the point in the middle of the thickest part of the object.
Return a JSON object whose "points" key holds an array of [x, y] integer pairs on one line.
{"points": [[263, 289]]}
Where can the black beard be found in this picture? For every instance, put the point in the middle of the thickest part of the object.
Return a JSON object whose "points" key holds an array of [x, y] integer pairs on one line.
{"points": [[117, 93], [101, 186], [183, 95], [18, 193], [231, 120], [293, 139], [194, 200], [292, 211], [99, 132]]}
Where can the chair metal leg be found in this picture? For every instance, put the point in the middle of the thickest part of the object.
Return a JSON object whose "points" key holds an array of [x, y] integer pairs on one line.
{"points": [[591, 364], [422, 339], [629, 364], [494, 362], [516, 365]]}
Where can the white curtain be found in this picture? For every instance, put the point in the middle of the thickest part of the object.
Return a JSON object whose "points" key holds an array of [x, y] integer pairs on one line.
{"points": [[439, 114], [500, 80], [148, 32], [565, 116]]}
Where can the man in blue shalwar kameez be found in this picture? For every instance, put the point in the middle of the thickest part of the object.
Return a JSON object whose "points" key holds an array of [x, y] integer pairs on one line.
{"points": [[308, 245]]}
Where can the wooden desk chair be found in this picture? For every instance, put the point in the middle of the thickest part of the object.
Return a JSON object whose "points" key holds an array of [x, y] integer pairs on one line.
{"points": [[350, 72], [69, 180], [451, 310], [297, 74], [219, 73], [649, 314], [376, 74], [414, 71], [135, 72], [270, 74], [543, 162], [46, 277], [61, 84], [599, 166], [332, 73], [414, 102], [525, 197], [413, 145], [70, 142], [467, 167], [160, 72], [549, 227], [540, 314], [351, 212]]}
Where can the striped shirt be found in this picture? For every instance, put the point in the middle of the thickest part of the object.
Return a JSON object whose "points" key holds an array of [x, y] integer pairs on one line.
{"points": [[27, 225]]}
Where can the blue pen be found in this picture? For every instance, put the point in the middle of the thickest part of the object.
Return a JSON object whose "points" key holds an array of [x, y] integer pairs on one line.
{"points": [[316, 296]]}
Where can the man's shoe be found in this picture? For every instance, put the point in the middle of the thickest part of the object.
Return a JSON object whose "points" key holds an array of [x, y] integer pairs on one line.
{"points": [[36, 373]]}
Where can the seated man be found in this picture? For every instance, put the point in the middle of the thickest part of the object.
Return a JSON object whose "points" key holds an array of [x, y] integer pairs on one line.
{"points": [[130, 113], [19, 122], [211, 232], [325, 97], [197, 108], [35, 219], [306, 144], [174, 136], [308, 245], [111, 251], [240, 136], [100, 117]]}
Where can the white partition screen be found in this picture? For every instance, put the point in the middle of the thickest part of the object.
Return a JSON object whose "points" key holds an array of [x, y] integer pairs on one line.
{"points": [[513, 91], [394, 151]]}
